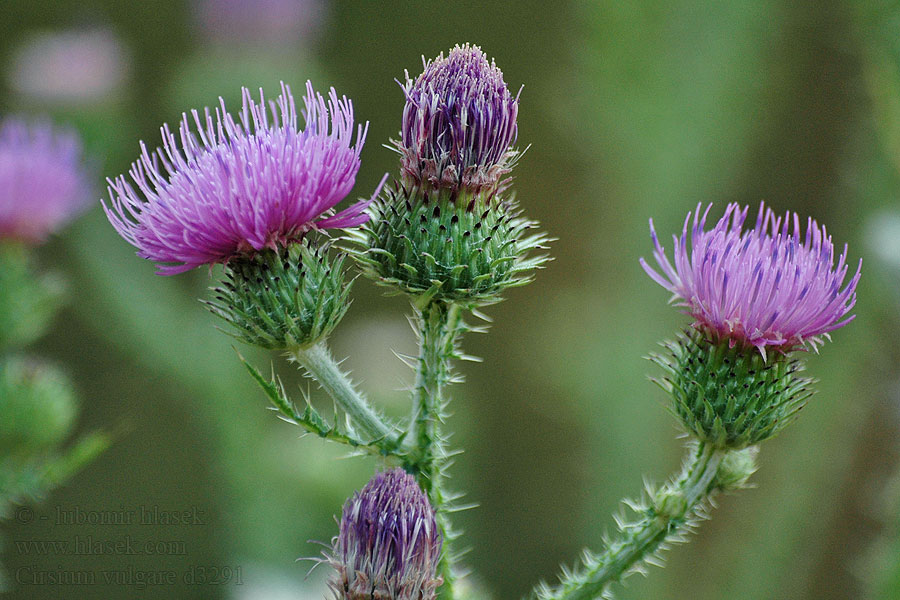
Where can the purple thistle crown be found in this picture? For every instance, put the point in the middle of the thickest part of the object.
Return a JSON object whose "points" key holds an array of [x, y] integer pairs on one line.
{"points": [[43, 182], [236, 187], [389, 542], [768, 287], [458, 124]]}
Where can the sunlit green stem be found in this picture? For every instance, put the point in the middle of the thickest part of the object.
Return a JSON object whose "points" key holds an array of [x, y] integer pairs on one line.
{"points": [[439, 324], [665, 519], [318, 362]]}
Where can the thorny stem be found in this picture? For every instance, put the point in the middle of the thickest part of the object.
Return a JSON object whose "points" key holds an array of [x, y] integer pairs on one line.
{"points": [[318, 362], [660, 522], [439, 325]]}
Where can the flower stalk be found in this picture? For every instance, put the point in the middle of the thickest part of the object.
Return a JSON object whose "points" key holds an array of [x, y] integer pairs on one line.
{"points": [[439, 326], [670, 513], [321, 366]]}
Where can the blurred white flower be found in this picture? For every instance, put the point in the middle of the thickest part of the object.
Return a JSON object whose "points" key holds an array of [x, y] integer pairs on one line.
{"points": [[883, 237], [260, 21], [69, 66]]}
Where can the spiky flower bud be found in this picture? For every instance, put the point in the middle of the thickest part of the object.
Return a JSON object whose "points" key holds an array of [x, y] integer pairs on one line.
{"points": [[748, 291], [389, 542], [459, 124], [447, 230], [37, 407], [735, 469], [282, 299]]}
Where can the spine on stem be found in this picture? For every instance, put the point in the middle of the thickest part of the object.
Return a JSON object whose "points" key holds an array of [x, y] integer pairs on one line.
{"points": [[321, 366], [663, 520], [439, 325]]}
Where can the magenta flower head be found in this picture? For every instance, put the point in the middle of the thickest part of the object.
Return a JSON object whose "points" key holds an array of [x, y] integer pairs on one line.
{"points": [[458, 123], [236, 187], [767, 287], [43, 180], [389, 544]]}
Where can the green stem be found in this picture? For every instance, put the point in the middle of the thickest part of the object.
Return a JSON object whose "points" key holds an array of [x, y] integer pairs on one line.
{"points": [[318, 362], [665, 520], [439, 325]]}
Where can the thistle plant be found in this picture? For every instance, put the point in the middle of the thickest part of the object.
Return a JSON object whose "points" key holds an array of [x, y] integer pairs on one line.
{"points": [[258, 194], [759, 299], [43, 184]]}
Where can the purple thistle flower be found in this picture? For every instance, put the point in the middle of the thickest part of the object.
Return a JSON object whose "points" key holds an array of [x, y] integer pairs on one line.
{"points": [[236, 187], [43, 182], [389, 543], [458, 123], [766, 287]]}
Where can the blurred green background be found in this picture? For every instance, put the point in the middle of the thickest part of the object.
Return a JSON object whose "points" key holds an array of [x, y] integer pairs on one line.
{"points": [[631, 110]]}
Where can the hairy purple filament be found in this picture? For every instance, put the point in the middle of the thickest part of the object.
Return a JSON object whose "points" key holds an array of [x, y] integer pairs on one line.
{"points": [[459, 122], [240, 186], [765, 287]]}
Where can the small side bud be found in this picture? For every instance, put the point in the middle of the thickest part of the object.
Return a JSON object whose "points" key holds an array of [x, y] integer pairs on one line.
{"points": [[283, 299], [735, 469], [389, 543], [670, 502], [37, 407], [731, 397]]}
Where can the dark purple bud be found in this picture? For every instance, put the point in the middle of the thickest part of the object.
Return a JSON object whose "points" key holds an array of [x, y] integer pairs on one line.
{"points": [[458, 123], [389, 544]]}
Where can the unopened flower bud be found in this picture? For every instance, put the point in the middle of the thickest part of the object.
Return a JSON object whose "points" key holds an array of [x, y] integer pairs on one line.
{"points": [[37, 407], [459, 124], [389, 543]]}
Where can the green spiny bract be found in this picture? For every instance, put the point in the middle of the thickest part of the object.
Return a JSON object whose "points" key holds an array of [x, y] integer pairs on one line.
{"points": [[290, 298], [731, 397], [450, 246], [37, 407]]}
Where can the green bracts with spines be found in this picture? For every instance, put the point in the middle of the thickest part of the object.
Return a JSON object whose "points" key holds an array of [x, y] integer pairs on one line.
{"points": [[287, 299], [731, 397], [453, 247]]}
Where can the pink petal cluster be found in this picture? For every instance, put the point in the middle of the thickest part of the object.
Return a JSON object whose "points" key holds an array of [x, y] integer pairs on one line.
{"points": [[238, 186], [767, 287], [43, 182]]}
